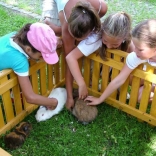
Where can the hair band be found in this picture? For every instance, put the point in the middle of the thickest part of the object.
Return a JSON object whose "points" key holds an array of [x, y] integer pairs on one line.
{"points": [[122, 12]]}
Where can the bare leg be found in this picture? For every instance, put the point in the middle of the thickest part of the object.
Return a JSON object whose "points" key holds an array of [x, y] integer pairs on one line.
{"points": [[151, 94]]}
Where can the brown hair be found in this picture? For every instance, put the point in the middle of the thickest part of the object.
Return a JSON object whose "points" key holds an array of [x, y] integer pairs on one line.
{"points": [[117, 25], [21, 36], [146, 32], [83, 19]]}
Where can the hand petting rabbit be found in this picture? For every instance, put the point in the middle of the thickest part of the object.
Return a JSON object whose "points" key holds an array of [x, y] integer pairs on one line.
{"points": [[84, 113], [43, 113]]}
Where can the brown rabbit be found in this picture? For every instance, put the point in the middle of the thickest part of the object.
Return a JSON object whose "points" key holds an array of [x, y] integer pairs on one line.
{"points": [[83, 112], [16, 138]]}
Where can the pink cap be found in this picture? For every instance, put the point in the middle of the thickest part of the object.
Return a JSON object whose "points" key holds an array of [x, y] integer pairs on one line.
{"points": [[43, 38]]}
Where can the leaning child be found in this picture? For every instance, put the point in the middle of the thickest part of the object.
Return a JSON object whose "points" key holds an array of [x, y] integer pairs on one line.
{"points": [[144, 40], [32, 41]]}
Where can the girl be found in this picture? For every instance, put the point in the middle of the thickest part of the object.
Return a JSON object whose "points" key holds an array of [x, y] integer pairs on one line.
{"points": [[33, 41], [115, 34], [77, 20], [144, 40]]}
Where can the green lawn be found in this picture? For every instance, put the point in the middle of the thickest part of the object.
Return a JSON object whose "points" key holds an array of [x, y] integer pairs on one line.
{"points": [[113, 133]]}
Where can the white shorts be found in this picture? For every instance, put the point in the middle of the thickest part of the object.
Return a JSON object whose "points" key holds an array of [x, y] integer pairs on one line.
{"points": [[50, 11]]}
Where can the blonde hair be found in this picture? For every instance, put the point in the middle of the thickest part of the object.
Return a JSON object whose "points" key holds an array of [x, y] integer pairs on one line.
{"points": [[146, 31], [117, 25], [83, 19]]}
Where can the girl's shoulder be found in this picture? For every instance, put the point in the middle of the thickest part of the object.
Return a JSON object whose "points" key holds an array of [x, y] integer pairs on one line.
{"points": [[133, 61]]}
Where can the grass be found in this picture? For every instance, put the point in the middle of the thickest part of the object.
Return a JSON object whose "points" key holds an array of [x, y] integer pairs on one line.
{"points": [[29, 5], [113, 133]]}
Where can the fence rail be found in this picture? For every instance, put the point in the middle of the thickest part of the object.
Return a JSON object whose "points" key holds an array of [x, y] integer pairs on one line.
{"points": [[13, 106], [97, 74]]}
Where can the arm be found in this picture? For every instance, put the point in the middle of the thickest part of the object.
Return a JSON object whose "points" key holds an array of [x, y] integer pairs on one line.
{"points": [[113, 85], [72, 61], [32, 97], [104, 9], [69, 45], [56, 29]]}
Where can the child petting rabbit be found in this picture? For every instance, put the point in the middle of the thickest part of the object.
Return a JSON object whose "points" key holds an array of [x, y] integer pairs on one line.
{"points": [[43, 113], [81, 111]]}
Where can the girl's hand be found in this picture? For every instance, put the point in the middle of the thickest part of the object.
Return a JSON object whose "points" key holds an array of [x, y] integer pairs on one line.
{"points": [[70, 103], [92, 100], [59, 42], [83, 92]]}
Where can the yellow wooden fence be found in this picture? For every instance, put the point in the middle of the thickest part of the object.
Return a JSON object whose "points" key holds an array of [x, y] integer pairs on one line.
{"points": [[143, 110], [45, 77], [13, 107]]}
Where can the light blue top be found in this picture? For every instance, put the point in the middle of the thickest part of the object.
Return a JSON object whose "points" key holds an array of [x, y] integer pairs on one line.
{"points": [[61, 4], [12, 56]]}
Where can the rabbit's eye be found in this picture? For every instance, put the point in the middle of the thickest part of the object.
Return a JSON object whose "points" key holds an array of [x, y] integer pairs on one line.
{"points": [[25, 128], [42, 114]]}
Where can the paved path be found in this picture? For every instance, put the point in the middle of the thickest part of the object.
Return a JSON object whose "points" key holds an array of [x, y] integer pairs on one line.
{"points": [[21, 11]]}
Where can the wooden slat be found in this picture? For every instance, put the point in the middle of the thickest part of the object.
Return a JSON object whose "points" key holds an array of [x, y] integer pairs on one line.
{"points": [[115, 72], [8, 106], [105, 77], [7, 103], [124, 91], [134, 91], [153, 105], [50, 76], [146, 91], [17, 96], [4, 153], [87, 71], [95, 76], [43, 81], [17, 99], [2, 123], [56, 73], [145, 96]]}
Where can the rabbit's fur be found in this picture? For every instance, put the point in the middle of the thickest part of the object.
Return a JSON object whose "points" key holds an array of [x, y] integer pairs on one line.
{"points": [[17, 137], [43, 113], [84, 113]]}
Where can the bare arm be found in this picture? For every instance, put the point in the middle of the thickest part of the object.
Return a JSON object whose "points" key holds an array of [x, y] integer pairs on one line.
{"points": [[55, 28], [72, 61], [104, 9], [116, 83], [32, 97], [69, 45]]}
